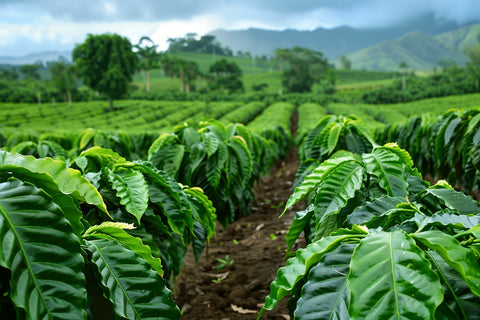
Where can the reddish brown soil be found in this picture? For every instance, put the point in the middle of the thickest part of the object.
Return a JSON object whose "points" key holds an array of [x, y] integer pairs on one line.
{"points": [[255, 244]]}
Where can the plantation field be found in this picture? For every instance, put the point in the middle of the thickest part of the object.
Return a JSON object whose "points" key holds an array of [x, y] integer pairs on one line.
{"points": [[187, 194]]}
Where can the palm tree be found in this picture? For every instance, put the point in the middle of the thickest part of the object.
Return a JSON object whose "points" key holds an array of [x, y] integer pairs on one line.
{"points": [[148, 57]]}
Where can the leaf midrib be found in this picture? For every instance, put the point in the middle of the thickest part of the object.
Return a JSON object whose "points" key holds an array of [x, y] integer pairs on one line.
{"points": [[27, 262], [107, 265], [393, 275]]}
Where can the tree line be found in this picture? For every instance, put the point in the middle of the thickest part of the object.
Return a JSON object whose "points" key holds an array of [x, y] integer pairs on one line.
{"points": [[107, 63]]}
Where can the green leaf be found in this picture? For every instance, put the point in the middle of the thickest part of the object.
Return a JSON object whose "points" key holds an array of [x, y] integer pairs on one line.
{"points": [[211, 142], [167, 194], [300, 221], [203, 210], [297, 267], [450, 130], [461, 259], [459, 300], [136, 290], [391, 279], [45, 182], [132, 190], [313, 180], [325, 295], [42, 253], [116, 231], [169, 158], [215, 165], [69, 181], [389, 169], [455, 200], [447, 219], [333, 135], [376, 208], [337, 187]]}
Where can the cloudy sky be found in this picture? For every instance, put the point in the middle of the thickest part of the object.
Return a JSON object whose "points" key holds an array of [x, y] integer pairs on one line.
{"points": [[28, 26]]}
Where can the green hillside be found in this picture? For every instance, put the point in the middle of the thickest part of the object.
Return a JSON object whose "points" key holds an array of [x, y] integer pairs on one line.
{"points": [[418, 50]]}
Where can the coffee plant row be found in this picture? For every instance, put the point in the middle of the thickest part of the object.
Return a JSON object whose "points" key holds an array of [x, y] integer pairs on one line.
{"points": [[445, 147], [102, 230], [382, 243]]}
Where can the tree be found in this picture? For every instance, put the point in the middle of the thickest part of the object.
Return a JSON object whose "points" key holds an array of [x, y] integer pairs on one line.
{"points": [[473, 54], [148, 57], [345, 63], [30, 71], [305, 67], [64, 78], [226, 76], [403, 66], [106, 63]]}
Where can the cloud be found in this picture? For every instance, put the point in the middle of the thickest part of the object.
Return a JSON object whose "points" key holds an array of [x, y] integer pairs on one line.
{"points": [[64, 23], [277, 11]]}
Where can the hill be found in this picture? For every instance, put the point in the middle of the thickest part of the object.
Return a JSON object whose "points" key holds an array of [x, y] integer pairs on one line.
{"points": [[419, 50], [332, 42]]}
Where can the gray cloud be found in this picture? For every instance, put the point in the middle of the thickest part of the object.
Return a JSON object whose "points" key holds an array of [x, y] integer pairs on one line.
{"points": [[346, 12]]}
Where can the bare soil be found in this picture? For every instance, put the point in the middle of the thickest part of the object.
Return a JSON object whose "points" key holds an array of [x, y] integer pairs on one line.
{"points": [[255, 246]]}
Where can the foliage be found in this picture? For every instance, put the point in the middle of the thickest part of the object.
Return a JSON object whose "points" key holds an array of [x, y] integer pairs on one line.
{"points": [[106, 63], [216, 158], [445, 147], [305, 67], [411, 251], [274, 124], [331, 134], [226, 77], [148, 57], [453, 81], [59, 265], [64, 78], [206, 44]]}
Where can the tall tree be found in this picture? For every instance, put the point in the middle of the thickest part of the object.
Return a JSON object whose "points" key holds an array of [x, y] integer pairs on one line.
{"points": [[30, 71], [305, 67], [64, 78], [345, 62], [226, 76], [473, 54], [106, 63], [148, 57]]}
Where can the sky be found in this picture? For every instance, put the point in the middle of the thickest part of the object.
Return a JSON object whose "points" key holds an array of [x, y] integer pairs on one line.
{"points": [[30, 26]]}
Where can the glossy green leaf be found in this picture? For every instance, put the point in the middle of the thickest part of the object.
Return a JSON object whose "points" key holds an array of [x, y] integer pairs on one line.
{"points": [[116, 231], [297, 267], [447, 219], [325, 295], [45, 182], [461, 259], [131, 188], [211, 142], [69, 181], [455, 200], [376, 208], [333, 135], [390, 278], [42, 253], [389, 170], [460, 302], [313, 180], [135, 289], [299, 222], [215, 165], [338, 186]]}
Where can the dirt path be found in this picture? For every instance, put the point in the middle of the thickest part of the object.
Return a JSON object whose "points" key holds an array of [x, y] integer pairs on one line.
{"points": [[255, 246]]}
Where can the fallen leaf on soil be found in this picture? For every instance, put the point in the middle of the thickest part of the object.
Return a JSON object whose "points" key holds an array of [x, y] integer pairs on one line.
{"points": [[241, 310], [221, 276], [260, 226]]}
